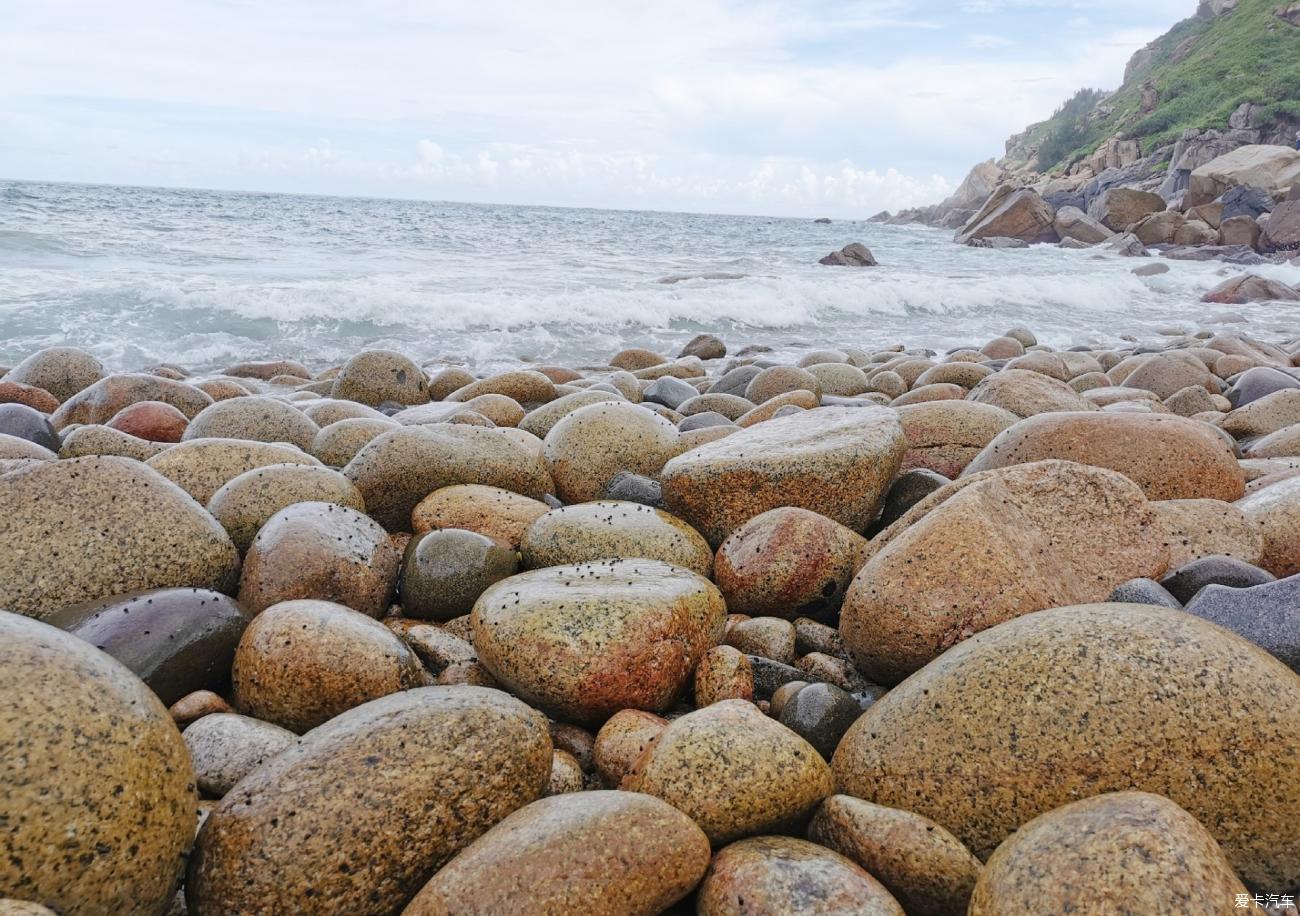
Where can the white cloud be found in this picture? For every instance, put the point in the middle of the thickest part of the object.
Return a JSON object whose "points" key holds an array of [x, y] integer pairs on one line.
{"points": [[985, 42]]}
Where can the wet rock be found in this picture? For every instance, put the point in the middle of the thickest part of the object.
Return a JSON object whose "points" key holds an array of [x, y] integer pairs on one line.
{"points": [[248, 501], [62, 371], [201, 467], [542, 420], [1187, 580], [310, 831], [635, 358], [812, 636], [855, 254], [374, 377], [444, 572], [1268, 615], [944, 436], [601, 853], [924, 866], [99, 800], [771, 675], [820, 714], [322, 551], [437, 648], [327, 411], [778, 380], [908, 489], [598, 530], [1251, 288], [338, 443], [490, 511], [152, 421], [196, 705], [583, 642], [1144, 591], [103, 400], [28, 395], [724, 673], [670, 392], [226, 747], [1121, 851], [589, 446], [1255, 384], [1120, 702], [269, 369], [23, 422], [705, 346], [733, 771], [634, 488], [86, 528], [524, 386], [301, 663], [1026, 393], [773, 875], [444, 381], [770, 637], [256, 419], [621, 741], [1276, 510]]}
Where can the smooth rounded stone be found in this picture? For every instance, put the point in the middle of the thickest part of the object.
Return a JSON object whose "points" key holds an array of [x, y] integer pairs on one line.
{"points": [[1165, 374], [735, 381], [1268, 615], [62, 371], [12, 448], [437, 648], [1089, 381], [705, 346], [1285, 443], [582, 642], [99, 800], [1120, 702], [258, 419], [818, 667], [687, 368], [778, 380], [1002, 348], [577, 741], [269, 369], [1110, 396], [22, 422], [812, 636], [729, 406], [86, 528], [733, 771], [590, 445], [927, 394], [1265, 415], [620, 743], [783, 695], [103, 400], [1187, 580], [724, 673], [634, 358], [196, 705], [910, 368], [598, 530], [1026, 393], [1144, 591], [788, 562], [1196, 528], [633, 488], [176, 640], [95, 439], [839, 379], [301, 663], [152, 421], [888, 383], [490, 511], [838, 461], [783, 404], [1005, 543], [29, 395], [373, 377], [522, 385], [967, 375], [221, 389], [600, 853], [444, 381], [328, 411], [445, 571], [201, 467], [397, 470], [10, 907], [1191, 402], [311, 830], [542, 420], [1121, 852], [925, 867], [1255, 384], [944, 436], [226, 747], [820, 714], [908, 489], [770, 675], [771, 637], [249, 501], [1276, 510], [1168, 457], [775, 876], [322, 551], [670, 392], [566, 774]]}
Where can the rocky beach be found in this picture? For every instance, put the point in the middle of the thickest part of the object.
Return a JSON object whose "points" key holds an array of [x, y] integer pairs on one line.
{"points": [[880, 629]]}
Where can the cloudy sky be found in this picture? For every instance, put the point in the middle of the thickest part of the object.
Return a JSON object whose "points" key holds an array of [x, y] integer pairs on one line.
{"points": [[799, 107]]}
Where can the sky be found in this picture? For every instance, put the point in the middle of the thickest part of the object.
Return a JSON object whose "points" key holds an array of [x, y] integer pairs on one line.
{"points": [[774, 107]]}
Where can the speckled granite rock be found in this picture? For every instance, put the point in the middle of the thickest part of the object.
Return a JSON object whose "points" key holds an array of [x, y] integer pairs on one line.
{"points": [[14, 448], [1196, 528], [99, 800], [201, 467], [771, 637], [620, 743], [338, 443], [734, 771], [226, 747], [95, 439], [1268, 615], [196, 705], [541, 420], [1276, 510], [491, 511], [838, 461], [301, 663], [597, 530], [925, 867], [589, 446], [101, 401], [444, 572], [523, 385], [943, 436], [22, 422], [62, 371], [1026, 393], [10, 907], [775, 876], [257, 419], [583, 642], [397, 470], [1121, 852], [1121, 701], [152, 421], [176, 640], [599, 853], [87, 528], [778, 380], [375, 376], [1006, 543], [320, 550], [566, 774], [724, 673], [311, 831], [246, 503]]}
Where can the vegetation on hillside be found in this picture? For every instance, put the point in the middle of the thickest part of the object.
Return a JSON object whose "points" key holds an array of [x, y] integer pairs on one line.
{"points": [[1201, 70]]}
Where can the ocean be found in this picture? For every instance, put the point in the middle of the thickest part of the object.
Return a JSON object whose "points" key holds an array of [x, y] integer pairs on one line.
{"points": [[206, 278]]}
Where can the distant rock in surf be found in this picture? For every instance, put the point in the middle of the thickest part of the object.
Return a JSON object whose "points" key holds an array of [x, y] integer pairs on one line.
{"points": [[708, 275], [855, 254], [823, 220]]}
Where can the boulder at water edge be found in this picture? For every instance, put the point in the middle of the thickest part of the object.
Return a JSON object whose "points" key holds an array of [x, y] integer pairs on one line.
{"points": [[201, 467], [589, 446]]}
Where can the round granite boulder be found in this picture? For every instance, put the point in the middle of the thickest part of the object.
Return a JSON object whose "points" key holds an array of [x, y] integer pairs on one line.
{"points": [[323, 551], [598, 853], [246, 503], [598, 530], [85, 441], [542, 420], [375, 376], [103, 400], [29, 395], [733, 771], [524, 386], [1026, 393], [311, 831], [778, 380], [86, 528], [62, 371], [327, 411], [1124, 696], [256, 419], [583, 642], [226, 747], [339, 442], [589, 446], [620, 743], [445, 571], [1196, 528], [1276, 510], [152, 421], [201, 467], [1121, 852], [13, 448], [945, 436], [99, 801], [491, 511], [723, 674]]}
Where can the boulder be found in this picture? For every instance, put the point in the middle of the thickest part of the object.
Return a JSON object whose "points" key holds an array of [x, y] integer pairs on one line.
{"points": [[599, 530], [373, 377], [705, 346], [820, 713], [1251, 288], [338, 443], [1268, 615], [311, 830], [1073, 223], [62, 371], [201, 467], [1282, 231], [22, 422], [29, 395], [600, 853], [1119, 852], [1239, 230], [269, 369], [85, 441], [854, 254], [1187, 580], [1119, 208], [943, 436], [1001, 544], [1264, 415], [583, 642], [733, 771], [1119, 702], [775, 381], [490, 511], [152, 421], [620, 743], [87, 528], [771, 637], [444, 572], [524, 386], [724, 673], [1276, 510], [1261, 166], [103, 400], [99, 802], [226, 747], [248, 501], [838, 461], [1025, 393], [1257, 383], [1159, 228], [1196, 528], [1020, 215], [585, 449], [254, 418]]}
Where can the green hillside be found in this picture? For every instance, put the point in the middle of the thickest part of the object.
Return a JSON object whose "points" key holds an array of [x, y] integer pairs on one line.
{"points": [[1197, 74]]}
